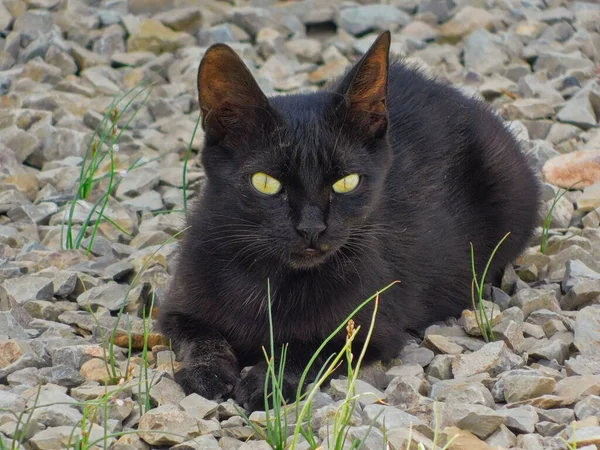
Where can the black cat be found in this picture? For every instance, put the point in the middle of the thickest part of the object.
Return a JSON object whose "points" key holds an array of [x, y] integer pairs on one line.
{"points": [[332, 196]]}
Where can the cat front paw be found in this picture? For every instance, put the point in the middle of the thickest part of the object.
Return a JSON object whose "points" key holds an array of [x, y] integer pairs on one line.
{"points": [[250, 390], [211, 381]]}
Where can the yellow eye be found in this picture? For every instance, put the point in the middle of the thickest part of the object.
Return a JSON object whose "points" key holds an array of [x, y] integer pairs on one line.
{"points": [[346, 184], [265, 184]]}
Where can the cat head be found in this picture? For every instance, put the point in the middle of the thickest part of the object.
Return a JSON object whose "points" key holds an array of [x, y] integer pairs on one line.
{"points": [[293, 178]]}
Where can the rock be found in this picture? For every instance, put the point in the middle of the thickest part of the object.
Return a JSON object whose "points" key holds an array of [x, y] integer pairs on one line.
{"points": [[136, 182], [466, 20], [208, 442], [96, 370], [580, 294], [557, 266], [442, 344], [555, 64], [155, 37], [588, 436], [588, 407], [583, 365], [573, 170], [363, 19], [521, 420], [477, 419], [530, 300], [483, 53], [528, 108], [587, 331], [166, 392], [577, 273], [550, 350], [389, 417], [198, 407], [511, 333], [367, 393], [22, 143], [462, 392], [176, 425], [109, 296], [182, 19], [26, 288], [521, 385], [415, 354], [493, 358], [59, 437], [580, 110], [441, 367]]}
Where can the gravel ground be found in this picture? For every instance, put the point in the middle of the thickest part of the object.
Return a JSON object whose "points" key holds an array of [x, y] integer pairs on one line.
{"points": [[536, 387]]}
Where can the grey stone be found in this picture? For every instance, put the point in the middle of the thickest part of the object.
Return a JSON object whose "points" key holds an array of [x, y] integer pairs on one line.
{"points": [[389, 417], [137, 182], [198, 406], [26, 288], [550, 350], [441, 367], [367, 393], [502, 438], [59, 437], [511, 333], [530, 300], [520, 420], [22, 143], [109, 296], [581, 109], [575, 273], [583, 365], [478, 419], [493, 358], [166, 392], [483, 53], [415, 354], [462, 392], [580, 294], [555, 64], [529, 108], [36, 214], [589, 406], [587, 331], [363, 19], [147, 201], [201, 443]]}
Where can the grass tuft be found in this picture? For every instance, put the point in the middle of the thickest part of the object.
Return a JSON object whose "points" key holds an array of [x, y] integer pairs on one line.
{"points": [[483, 321]]}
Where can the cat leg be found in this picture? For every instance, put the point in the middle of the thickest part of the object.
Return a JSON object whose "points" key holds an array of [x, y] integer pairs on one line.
{"points": [[210, 367], [249, 391]]}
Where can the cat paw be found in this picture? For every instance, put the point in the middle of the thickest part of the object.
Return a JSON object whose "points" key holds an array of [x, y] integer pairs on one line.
{"points": [[211, 381], [250, 390]]}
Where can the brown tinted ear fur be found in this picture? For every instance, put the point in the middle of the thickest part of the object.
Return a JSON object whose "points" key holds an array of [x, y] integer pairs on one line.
{"points": [[365, 87], [227, 92]]}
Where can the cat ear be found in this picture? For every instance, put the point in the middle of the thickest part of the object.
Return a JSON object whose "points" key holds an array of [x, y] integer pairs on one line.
{"points": [[365, 88], [228, 94]]}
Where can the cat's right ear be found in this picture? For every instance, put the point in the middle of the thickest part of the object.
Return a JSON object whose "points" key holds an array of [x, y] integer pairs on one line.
{"points": [[229, 96]]}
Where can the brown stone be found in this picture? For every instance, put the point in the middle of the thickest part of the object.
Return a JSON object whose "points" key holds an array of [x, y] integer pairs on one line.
{"points": [[573, 170], [96, 370], [10, 351]]}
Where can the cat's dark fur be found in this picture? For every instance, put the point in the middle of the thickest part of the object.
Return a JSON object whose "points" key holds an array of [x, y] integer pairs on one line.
{"points": [[439, 171]]}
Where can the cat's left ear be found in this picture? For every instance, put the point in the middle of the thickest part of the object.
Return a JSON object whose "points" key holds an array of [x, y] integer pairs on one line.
{"points": [[365, 88]]}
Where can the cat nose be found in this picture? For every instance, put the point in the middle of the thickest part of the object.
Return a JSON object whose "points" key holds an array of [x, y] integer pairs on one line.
{"points": [[311, 232]]}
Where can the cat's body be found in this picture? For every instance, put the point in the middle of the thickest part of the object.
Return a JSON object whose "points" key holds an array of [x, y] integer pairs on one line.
{"points": [[440, 174]]}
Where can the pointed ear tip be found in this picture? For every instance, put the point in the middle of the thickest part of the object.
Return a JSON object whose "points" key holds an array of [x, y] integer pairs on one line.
{"points": [[385, 38], [218, 49]]}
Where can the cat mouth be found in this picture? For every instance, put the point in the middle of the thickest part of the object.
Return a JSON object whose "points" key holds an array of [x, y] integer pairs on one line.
{"points": [[309, 257]]}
